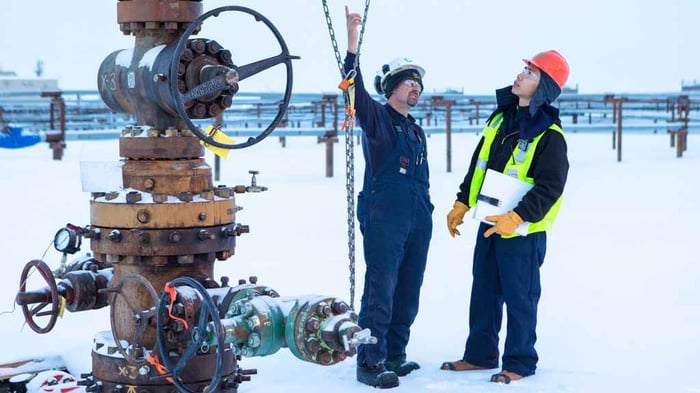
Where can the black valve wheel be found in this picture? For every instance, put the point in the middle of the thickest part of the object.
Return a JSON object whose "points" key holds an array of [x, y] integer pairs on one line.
{"points": [[47, 298], [243, 72], [132, 353], [199, 334]]}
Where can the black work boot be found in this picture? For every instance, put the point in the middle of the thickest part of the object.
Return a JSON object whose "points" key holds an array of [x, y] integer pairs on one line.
{"points": [[400, 366], [377, 376]]}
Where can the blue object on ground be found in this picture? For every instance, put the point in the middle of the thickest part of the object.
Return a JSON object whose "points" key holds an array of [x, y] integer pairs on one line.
{"points": [[12, 138]]}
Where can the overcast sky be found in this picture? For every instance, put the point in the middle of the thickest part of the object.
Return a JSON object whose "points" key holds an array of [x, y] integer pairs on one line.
{"points": [[476, 45]]}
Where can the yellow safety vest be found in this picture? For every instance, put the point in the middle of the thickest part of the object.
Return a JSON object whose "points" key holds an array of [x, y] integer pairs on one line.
{"points": [[518, 167]]}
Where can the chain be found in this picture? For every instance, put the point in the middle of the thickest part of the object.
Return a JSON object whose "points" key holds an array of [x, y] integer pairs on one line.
{"points": [[349, 141], [334, 42]]}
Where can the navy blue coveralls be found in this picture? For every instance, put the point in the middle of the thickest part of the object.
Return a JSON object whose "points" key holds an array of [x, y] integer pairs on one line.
{"points": [[508, 270], [395, 216]]}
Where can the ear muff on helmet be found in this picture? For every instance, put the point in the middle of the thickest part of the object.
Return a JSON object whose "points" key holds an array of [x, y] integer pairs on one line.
{"points": [[378, 84]]}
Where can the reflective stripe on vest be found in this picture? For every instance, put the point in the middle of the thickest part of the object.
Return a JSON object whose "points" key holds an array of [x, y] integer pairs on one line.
{"points": [[518, 167]]}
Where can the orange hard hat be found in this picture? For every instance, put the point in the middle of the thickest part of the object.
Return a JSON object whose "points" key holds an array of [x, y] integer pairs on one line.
{"points": [[553, 63]]}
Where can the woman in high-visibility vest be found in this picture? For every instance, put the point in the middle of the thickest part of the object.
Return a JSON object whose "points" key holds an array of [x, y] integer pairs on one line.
{"points": [[523, 138]]}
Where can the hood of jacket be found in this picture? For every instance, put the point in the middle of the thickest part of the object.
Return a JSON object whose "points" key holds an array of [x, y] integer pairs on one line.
{"points": [[541, 114]]}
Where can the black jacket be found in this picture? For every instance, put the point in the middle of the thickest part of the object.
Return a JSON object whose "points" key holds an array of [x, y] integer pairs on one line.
{"points": [[550, 165], [378, 123]]}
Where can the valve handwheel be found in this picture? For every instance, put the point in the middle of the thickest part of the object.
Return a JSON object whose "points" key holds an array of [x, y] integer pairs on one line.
{"points": [[209, 312], [243, 72], [140, 318], [38, 301]]}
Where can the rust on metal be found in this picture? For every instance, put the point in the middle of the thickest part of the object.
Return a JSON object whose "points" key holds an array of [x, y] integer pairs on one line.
{"points": [[109, 214], [159, 11], [153, 242], [170, 177], [162, 148]]}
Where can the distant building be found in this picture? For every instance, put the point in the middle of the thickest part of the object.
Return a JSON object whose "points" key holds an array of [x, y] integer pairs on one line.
{"points": [[10, 82], [690, 86], [570, 89]]}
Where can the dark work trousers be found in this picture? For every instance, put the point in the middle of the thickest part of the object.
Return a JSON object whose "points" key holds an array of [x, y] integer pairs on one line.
{"points": [[505, 270], [394, 212]]}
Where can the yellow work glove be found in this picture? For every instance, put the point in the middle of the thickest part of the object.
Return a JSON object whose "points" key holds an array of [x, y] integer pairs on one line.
{"points": [[505, 224], [456, 217]]}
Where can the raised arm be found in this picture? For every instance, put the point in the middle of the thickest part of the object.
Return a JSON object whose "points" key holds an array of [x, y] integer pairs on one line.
{"points": [[352, 21]]}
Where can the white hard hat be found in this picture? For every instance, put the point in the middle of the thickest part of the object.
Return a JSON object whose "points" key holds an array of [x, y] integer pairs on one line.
{"points": [[392, 68]]}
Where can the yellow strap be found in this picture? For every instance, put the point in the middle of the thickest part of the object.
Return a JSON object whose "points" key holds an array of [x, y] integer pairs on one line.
{"points": [[351, 96], [219, 136]]}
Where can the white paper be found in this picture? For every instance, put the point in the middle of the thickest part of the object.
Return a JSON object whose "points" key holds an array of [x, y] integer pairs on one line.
{"points": [[508, 191], [101, 176]]}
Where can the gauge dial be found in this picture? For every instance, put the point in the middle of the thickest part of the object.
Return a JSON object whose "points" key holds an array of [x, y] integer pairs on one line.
{"points": [[67, 240]]}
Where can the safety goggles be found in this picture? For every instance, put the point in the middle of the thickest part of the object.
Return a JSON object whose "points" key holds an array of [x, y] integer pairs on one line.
{"points": [[529, 74], [412, 83]]}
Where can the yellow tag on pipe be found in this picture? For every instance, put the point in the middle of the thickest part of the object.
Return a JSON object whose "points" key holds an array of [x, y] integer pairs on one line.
{"points": [[61, 305], [219, 136]]}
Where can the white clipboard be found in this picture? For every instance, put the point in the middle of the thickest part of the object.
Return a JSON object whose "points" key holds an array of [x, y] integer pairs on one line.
{"points": [[499, 194]]}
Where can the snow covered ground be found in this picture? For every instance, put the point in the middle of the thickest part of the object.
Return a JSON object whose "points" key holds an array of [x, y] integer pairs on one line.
{"points": [[620, 308]]}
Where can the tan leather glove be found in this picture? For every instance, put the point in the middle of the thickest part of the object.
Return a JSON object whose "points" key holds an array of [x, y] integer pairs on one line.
{"points": [[505, 224], [456, 217]]}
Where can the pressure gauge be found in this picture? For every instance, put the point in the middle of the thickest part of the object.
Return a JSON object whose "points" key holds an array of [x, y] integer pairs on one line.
{"points": [[67, 239]]}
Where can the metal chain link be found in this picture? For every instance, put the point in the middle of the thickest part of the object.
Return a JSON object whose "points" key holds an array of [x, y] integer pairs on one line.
{"points": [[349, 145], [334, 42]]}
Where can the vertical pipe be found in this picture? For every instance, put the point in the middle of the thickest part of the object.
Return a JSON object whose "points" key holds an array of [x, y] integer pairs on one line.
{"points": [[58, 154], [329, 157], [619, 130], [52, 109], [219, 123], [613, 140], [448, 133], [62, 116]]}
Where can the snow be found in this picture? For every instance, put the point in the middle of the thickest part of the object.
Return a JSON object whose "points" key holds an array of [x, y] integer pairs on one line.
{"points": [[124, 57], [150, 56], [620, 308]]}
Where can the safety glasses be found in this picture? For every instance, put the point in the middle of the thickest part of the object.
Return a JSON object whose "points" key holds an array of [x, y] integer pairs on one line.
{"points": [[412, 83], [529, 74]]}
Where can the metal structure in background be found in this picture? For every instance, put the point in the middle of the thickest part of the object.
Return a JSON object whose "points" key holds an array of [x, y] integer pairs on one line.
{"points": [[57, 118], [681, 108], [155, 240], [441, 102], [580, 112], [13, 138]]}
